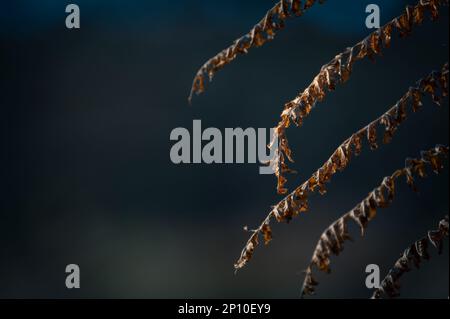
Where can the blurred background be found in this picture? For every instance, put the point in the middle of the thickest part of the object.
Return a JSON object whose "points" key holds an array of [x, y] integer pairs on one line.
{"points": [[87, 178]]}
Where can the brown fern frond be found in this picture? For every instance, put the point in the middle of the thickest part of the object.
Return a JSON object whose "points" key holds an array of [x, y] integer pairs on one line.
{"points": [[338, 71], [412, 256], [332, 240], [263, 31], [435, 84]]}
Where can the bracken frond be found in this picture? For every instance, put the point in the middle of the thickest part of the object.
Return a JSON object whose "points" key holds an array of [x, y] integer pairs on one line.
{"points": [[263, 31], [338, 71], [332, 240], [435, 84], [412, 256]]}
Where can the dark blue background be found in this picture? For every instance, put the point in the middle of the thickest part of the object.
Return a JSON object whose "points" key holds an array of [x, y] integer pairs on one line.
{"points": [[86, 117]]}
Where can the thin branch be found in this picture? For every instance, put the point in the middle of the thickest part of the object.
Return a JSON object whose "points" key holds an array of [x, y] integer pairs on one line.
{"points": [[332, 240], [413, 255], [435, 84], [262, 32], [338, 71]]}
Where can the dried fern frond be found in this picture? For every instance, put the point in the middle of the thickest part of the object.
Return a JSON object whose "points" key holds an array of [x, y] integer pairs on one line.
{"points": [[262, 32], [435, 84], [332, 240], [413, 255], [338, 71]]}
